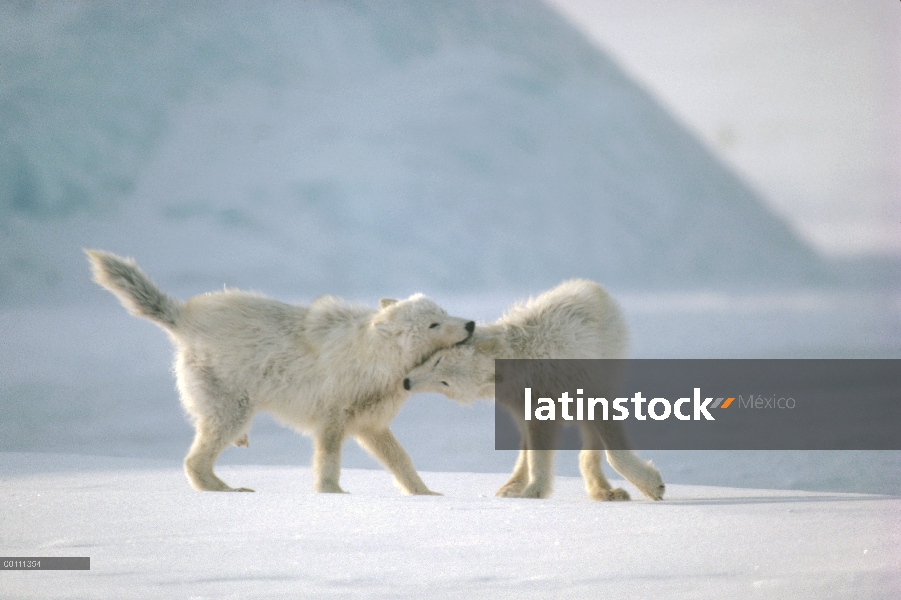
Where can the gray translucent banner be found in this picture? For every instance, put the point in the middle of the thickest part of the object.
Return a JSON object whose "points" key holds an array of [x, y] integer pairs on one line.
{"points": [[698, 404], [45, 563]]}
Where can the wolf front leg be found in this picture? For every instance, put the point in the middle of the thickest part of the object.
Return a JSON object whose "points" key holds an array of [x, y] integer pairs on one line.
{"points": [[519, 479], [385, 448], [327, 459], [541, 440]]}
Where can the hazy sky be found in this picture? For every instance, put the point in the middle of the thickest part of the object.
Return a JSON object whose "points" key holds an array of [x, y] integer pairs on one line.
{"points": [[802, 98]]}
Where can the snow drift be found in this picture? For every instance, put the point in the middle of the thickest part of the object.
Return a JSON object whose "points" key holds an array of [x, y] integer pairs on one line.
{"points": [[362, 146]]}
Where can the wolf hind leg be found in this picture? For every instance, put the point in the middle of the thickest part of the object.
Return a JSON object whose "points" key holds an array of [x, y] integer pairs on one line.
{"points": [[640, 473], [221, 419], [210, 439], [596, 483]]}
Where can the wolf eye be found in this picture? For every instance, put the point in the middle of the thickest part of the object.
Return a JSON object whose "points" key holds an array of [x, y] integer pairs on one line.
{"points": [[433, 325], [444, 383]]}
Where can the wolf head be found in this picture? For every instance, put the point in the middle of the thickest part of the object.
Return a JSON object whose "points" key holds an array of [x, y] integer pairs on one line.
{"points": [[463, 373], [420, 326]]}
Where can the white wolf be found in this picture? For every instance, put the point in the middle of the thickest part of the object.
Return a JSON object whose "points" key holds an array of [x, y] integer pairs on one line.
{"points": [[331, 369], [577, 319]]}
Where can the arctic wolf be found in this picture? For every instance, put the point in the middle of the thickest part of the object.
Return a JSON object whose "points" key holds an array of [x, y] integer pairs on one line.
{"points": [[577, 319], [331, 369]]}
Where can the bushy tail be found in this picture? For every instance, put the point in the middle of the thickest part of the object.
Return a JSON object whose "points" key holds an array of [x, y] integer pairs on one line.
{"points": [[134, 289]]}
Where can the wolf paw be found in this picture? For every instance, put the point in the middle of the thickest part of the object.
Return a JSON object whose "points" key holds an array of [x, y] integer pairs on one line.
{"points": [[617, 495], [534, 491], [651, 485], [655, 493], [328, 487], [652, 491], [608, 495], [511, 489]]}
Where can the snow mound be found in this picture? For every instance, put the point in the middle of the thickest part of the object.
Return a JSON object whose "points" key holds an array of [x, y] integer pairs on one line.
{"points": [[352, 148]]}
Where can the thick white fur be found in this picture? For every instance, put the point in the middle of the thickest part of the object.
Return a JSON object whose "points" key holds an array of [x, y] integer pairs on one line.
{"points": [[577, 319], [331, 369]]}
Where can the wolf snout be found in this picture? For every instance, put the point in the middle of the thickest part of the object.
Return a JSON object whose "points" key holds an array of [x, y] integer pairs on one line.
{"points": [[406, 383], [471, 326]]}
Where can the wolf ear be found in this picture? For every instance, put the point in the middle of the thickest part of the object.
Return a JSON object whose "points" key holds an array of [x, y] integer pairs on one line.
{"points": [[386, 302], [488, 345]]}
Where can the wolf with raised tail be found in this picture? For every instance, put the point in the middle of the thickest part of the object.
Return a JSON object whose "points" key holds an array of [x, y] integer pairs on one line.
{"points": [[331, 369]]}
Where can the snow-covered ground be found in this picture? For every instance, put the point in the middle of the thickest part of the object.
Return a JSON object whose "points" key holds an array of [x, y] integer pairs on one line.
{"points": [[150, 536]]}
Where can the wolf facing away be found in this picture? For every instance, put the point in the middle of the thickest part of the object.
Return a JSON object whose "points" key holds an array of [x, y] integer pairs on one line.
{"points": [[331, 369], [577, 319]]}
